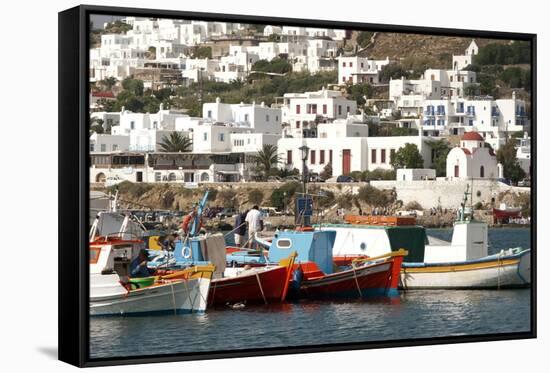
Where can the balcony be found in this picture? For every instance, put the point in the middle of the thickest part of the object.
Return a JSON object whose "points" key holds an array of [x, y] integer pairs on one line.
{"points": [[440, 113], [521, 114], [428, 113]]}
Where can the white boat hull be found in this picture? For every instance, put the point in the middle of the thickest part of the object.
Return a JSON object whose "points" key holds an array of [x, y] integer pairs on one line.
{"points": [[178, 296], [501, 273]]}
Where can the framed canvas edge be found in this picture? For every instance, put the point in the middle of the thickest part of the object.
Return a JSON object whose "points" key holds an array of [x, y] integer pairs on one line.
{"points": [[73, 195]]}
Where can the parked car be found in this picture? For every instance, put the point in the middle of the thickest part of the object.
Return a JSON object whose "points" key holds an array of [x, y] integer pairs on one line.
{"points": [[345, 179], [505, 181], [315, 178], [112, 181], [227, 213], [270, 211], [524, 183]]}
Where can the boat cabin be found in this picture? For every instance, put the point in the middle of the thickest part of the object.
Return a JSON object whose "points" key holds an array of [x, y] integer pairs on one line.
{"points": [[310, 246]]}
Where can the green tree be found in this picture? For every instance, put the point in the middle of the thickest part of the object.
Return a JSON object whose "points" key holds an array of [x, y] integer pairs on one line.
{"points": [[266, 158], [152, 53], [134, 86], [407, 156], [108, 82], [202, 52], [373, 196], [470, 90], [393, 71], [255, 196], [176, 142], [440, 150], [507, 156], [326, 173], [360, 92], [276, 65]]}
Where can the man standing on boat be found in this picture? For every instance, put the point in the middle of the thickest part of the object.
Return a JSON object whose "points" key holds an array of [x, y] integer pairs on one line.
{"points": [[254, 221], [240, 228]]}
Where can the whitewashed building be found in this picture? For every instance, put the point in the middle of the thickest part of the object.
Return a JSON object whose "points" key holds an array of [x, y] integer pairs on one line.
{"points": [[302, 111], [358, 70], [460, 62], [409, 95], [103, 143], [346, 146], [471, 159], [493, 119], [259, 118]]}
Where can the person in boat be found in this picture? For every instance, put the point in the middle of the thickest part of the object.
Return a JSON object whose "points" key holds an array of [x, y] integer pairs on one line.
{"points": [[138, 266], [240, 228], [254, 223], [169, 243], [187, 222]]}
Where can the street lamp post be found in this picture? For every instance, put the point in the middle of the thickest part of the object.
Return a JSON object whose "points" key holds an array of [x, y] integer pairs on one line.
{"points": [[305, 152]]}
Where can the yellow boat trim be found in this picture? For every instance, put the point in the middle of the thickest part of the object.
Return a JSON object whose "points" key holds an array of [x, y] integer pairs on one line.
{"points": [[461, 267], [200, 271]]}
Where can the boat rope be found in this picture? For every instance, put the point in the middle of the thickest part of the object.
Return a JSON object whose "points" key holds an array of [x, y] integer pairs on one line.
{"points": [[498, 270], [261, 289], [234, 229], [213, 293], [173, 298], [188, 294], [356, 281]]}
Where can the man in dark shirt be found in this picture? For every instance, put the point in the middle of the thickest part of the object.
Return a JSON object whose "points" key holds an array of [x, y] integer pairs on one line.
{"points": [[240, 229], [138, 267]]}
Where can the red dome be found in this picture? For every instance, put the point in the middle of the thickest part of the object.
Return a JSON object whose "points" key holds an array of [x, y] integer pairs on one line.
{"points": [[473, 136]]}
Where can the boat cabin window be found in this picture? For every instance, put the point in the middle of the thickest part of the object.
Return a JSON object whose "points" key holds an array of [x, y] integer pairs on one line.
{"points": [[284, 243]]}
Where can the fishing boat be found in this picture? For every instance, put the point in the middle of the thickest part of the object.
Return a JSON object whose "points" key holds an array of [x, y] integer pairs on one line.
{"points": [[463, 263], [504, 213], [316, 276], [263, 284], [113, 292]]}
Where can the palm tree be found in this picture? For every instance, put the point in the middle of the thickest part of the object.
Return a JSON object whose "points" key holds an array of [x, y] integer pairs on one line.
{"points": [[266, 158], [109, 82], [176, 142]]}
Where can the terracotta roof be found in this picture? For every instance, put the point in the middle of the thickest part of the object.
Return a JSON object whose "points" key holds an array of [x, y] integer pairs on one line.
{"points": [[472, 136]]}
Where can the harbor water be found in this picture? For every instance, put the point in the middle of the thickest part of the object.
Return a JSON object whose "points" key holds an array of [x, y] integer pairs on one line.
{"points": [[414, 314]]}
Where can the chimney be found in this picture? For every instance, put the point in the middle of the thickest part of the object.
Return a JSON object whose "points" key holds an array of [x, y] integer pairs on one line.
{"points": [[218, 100], [513, 95]]}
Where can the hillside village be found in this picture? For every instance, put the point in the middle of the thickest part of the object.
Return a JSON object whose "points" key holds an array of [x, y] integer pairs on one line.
{"points": [[193, 102]]}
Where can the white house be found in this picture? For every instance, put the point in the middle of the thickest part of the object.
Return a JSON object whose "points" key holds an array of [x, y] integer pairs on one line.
{"points": [[161, 120], [259, 118], [460, 62], [147, 140], [493, 119], [408, 95], [246, 142], [356, 70], [346, 145], [472, 159], [412, 174], [102, 143], [301, 111]]}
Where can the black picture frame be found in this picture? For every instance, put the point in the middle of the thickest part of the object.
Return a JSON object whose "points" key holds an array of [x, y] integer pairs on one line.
{"points": [[73, 180]]}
